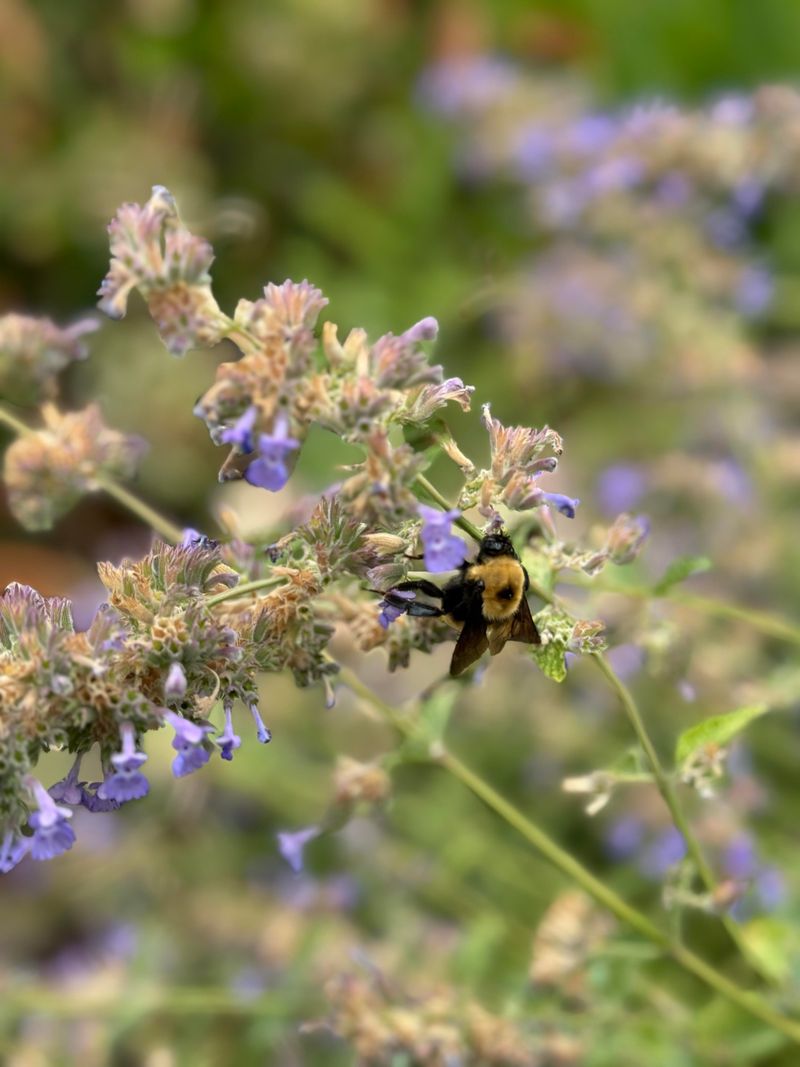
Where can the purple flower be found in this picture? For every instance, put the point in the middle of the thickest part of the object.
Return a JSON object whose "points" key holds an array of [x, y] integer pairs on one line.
{"points": [[228, 741], [739, 858], [754, 291], [748, 196], [97, 804], [662, 853], [52, 833], [443, 550], [126, 782], [292, 845], [69, 789], [188, 743], [14, 847], [389, 612], [175, 684], [563, 504], [590, 134], [263, 733], [624, 836], [193, 538], [770, 888], [269, 470], [424, 330], [534, 152], [241, 433], [620, 487], [626, 659]]}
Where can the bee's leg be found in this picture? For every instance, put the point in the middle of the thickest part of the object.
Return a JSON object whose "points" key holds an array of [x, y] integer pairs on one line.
{"points": [[421, 585]]}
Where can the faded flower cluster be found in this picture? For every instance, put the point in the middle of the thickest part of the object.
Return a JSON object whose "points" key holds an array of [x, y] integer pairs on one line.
{"points": [[186, 630], [617, 202]]}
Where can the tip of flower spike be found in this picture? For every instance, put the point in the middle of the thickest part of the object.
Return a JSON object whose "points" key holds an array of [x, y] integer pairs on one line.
{"points": [[426, 329], [565, 505]]}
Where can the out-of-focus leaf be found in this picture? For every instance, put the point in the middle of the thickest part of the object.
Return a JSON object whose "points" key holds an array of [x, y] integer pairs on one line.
{"points": [[718, 730], [430, 725], [679, 570]]}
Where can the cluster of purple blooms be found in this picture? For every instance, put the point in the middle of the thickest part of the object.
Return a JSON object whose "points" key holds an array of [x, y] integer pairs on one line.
{"points": [[124, 780], [268, 470]]}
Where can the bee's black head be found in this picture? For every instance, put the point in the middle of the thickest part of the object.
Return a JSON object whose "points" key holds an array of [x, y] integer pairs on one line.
{"points": [[496, 544]]}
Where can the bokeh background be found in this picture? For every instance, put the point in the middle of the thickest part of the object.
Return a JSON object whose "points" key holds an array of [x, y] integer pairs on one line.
{"points": [[401, 157]]}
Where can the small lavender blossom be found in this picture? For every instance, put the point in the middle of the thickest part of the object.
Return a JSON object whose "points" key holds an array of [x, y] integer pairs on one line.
{"points": [[69, 789], [443, 550], [175, 684], [126, 782], [241, 433], [566, 505], [390, 612], [426, 329], [291, 845], [228, 740], [52, 834], [188, 743], [263, 733], [14, 847], [269, 471]]}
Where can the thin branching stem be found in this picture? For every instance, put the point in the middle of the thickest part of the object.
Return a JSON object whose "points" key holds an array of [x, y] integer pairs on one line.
{"points": [[750, 1002], [666, 788], [152, 518], [244, 589]]}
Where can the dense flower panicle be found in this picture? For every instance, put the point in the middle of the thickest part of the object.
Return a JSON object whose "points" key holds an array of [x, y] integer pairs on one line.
{"points": [[152, 251], [47, 471], [169, 634], [33, 351]]}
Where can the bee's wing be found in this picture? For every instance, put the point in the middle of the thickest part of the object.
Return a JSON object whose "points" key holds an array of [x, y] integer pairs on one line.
{"points": [[523, 628], [498, 633], [471, 645]]}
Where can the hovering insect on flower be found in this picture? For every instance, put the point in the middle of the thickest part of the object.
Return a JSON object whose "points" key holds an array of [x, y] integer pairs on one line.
{"points": [[486, 601]]}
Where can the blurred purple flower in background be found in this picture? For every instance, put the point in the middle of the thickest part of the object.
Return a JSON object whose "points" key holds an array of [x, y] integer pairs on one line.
{"points": [[623, 837], [620, 487], [292, 844], [663, 852]]}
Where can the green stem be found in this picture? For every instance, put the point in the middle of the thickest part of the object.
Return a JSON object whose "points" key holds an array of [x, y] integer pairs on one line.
{"points": [[771, 625], [243, 589], [152, 518], [168, 530], [433, 493], [667, 789], [569, 866]]}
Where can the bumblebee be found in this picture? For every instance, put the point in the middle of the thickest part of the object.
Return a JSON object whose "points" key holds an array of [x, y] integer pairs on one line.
{"points": [[486, 601]]}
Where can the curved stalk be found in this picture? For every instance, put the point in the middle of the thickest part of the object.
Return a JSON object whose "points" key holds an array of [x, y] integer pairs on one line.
{"points": [[751, 1002]]}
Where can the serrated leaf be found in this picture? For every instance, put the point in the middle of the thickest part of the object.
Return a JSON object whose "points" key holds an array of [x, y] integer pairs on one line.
{"points": [[679, 570], [550, 658], [430, 725], [717, 730]]}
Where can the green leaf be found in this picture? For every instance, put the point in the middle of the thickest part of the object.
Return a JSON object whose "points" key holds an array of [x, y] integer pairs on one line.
{"points": [[550, 658], [679, 570], [775, 944], [718, 730], [430, 725]]}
